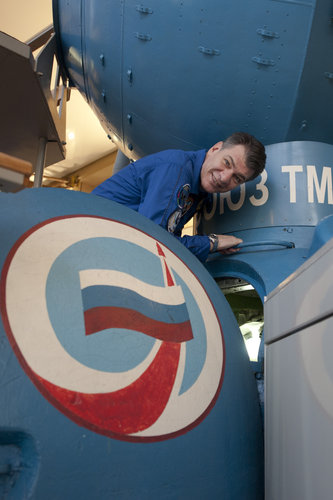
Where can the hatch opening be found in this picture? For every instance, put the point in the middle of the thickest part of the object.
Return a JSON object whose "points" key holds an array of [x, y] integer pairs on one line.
{"points": [[248, 310]]}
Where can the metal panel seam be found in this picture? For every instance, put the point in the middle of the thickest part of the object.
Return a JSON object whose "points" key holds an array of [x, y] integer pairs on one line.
{"points": [[122, 30], [303, 326]]}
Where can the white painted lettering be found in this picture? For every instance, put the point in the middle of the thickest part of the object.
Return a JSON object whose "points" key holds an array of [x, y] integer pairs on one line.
{"points": [[209, 215], [231, 204], [257, 202], [322, 187], [292, 170]]}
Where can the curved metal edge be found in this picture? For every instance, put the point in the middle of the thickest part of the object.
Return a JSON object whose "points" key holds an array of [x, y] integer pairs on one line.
{"points": [[60, 54]]}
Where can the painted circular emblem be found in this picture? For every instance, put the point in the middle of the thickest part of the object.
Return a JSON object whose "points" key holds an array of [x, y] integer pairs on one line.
{"points": [[112, 327], [182, 196]]}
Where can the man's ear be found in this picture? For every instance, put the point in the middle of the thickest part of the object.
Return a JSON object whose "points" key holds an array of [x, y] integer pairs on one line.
{"points": [[216, 147]]}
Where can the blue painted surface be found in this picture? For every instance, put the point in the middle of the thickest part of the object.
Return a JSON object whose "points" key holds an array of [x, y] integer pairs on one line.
{"points": [[322, 234], [221, 457], [206, 69]]}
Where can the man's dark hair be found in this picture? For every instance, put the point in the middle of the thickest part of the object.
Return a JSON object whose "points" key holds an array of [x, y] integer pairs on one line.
{"points": [[255, 151]]}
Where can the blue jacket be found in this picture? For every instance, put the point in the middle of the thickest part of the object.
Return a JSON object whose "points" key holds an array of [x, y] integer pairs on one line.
{"points": [[165, 187]]}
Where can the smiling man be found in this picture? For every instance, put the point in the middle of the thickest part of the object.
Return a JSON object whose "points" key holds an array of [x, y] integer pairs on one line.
{"points": [[171, 186]]}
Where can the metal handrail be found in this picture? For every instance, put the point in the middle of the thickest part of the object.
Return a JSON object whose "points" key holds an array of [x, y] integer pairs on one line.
{"points": [[287, 244]]}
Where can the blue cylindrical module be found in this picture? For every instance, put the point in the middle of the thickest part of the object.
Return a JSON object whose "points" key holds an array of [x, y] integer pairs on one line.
{"points": [[183, 75], [130, 375]]}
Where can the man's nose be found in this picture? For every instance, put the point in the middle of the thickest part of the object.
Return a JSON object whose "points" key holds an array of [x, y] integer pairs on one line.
{"points": [[227, 175]]}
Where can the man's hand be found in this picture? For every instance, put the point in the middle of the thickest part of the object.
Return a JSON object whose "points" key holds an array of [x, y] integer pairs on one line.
{"points": [[226, 243]]}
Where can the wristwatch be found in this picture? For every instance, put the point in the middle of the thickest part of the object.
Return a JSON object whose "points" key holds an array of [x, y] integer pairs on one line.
{"points": [[214, 239]]}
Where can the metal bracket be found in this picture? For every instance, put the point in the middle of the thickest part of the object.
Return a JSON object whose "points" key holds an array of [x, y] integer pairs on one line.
{"points": [[263, 61], [143, 36], [129, 74], [209, 52], [267, 33], [144, 10]]}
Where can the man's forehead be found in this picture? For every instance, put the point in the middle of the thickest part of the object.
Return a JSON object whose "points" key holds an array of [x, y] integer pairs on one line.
{"points": [[235, 148], [237, 158], [236, 154]]}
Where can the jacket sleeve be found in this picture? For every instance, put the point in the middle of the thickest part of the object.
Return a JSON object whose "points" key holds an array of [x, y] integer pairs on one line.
{"points": [[198, 245], [122, 188]]}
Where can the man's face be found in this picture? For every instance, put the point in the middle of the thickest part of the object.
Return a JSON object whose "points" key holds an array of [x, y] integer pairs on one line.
{"points": [[224, 169]]}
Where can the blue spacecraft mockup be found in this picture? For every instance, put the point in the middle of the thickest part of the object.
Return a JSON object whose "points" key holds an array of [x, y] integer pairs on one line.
{"points": [[123, 364], [182, 74]]}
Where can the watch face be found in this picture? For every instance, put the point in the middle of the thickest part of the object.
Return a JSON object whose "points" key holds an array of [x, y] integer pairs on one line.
{"points": [[213, 238]]}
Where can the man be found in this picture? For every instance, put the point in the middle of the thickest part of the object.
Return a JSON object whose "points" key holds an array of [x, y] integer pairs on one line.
{"points": [[170, 186]]}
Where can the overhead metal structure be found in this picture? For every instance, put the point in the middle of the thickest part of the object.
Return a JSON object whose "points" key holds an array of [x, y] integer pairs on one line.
{"points": [[33, 95]]}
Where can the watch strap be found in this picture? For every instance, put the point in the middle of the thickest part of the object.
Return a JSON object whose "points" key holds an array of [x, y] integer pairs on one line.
{"points": [[213, 238]]}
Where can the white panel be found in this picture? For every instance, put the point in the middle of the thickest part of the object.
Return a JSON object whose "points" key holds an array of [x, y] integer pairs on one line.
{"points": [[303, 297], [299, 415]]}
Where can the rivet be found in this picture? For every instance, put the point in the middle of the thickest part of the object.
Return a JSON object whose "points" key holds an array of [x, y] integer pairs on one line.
{"points": [[129, 75]]}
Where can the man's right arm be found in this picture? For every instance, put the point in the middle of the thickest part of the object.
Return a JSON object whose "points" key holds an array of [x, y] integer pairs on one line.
{"points": [[201, 246], [226, 244]]}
